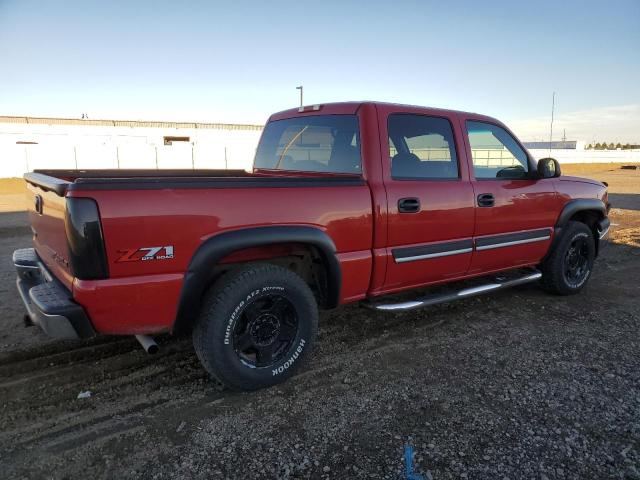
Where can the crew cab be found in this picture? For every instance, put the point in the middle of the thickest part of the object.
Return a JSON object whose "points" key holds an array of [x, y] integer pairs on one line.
{"points": [[346, 202]]}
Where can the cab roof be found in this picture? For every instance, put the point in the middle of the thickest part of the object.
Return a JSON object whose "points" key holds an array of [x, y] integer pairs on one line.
{"points": [[351, 108]]}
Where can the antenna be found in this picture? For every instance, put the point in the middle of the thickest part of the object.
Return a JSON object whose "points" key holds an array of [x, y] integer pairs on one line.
{"points": [[553, 107], [301, 88]]}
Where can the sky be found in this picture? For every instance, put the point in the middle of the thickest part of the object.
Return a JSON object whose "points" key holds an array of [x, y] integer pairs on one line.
{"points": [[237, 62]]}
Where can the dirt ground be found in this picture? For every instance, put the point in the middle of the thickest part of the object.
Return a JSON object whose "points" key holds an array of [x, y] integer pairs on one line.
{"points": [[517, 384]]}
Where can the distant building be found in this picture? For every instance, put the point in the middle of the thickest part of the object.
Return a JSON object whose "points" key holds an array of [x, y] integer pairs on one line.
{"points": [[28, 143], [557, 145]]}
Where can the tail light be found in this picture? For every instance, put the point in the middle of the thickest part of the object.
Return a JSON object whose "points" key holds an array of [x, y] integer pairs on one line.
{"points": [[87, 254]]}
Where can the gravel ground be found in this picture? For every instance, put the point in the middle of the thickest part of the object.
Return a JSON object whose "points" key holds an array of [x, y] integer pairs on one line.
{"points": [[517, 384]]}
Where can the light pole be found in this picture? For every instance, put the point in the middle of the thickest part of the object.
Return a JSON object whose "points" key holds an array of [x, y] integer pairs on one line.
{"points": [[301, 88]]}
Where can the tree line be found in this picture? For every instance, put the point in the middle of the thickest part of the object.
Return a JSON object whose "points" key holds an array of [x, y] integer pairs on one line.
{"points": [[611, 146]]}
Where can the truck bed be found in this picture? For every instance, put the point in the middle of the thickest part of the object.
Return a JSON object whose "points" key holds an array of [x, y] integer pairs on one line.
{"points": [[180, 210], [61, 181]]}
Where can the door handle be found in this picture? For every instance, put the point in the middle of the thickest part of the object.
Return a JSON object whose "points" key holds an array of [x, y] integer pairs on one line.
{"points": [[408, 205], [486, 200]]}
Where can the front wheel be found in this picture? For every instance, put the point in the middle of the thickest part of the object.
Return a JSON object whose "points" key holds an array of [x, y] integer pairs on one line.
{"points": [[569, 266], [257, 326]]}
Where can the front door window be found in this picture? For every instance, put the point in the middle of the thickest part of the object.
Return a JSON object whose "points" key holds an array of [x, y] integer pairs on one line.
{"points": [[495, 153]]}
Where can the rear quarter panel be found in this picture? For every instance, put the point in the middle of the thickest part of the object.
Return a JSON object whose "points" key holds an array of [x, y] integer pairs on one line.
{"points": [[144, 294]]}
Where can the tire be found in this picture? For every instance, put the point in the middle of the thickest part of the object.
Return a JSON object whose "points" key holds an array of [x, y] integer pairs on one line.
{"points": [[257, 326], [568, 268]]}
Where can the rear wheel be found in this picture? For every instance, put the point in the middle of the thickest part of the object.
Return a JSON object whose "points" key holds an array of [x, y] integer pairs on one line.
{"points": [[568, 268], [256, 327]]}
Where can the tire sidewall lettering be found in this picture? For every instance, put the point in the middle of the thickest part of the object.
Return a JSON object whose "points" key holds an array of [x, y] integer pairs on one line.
{"points": [[291, 360], [228, 332], [238, 309]]}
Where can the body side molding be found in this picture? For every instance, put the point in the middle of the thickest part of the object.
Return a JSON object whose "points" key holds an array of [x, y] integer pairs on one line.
{"points": [[199, 274], [515, 238], [434, 250]]}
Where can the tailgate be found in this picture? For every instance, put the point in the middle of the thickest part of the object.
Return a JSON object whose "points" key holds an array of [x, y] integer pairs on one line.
{"points": [[46, 215]]}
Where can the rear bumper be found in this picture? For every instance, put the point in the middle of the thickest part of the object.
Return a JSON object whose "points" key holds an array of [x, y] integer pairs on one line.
{"points": [[49, 304]]}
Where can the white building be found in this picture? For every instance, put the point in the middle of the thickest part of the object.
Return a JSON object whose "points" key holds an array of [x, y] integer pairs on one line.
{"points": [[39, 143], [28, 143]]}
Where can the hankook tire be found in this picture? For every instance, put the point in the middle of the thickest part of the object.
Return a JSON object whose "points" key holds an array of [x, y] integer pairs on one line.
{"points": [[257, 326]]}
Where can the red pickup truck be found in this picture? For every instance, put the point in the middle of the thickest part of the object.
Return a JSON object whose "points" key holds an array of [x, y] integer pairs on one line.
{"points": [[346, 202]]}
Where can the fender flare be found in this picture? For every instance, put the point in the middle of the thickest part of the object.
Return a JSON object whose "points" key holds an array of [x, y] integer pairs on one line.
{"points": [[569, 210], [199, 274], [574, 206]]}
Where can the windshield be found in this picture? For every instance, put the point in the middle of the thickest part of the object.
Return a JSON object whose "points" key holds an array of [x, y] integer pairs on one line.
{"points": [[321, 143]]}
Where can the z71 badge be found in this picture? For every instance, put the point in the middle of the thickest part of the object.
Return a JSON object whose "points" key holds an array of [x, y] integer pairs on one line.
{"points": [[146, 253]]}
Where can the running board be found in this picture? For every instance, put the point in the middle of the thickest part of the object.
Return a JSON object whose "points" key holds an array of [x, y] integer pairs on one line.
{"points": [[502, 281]]}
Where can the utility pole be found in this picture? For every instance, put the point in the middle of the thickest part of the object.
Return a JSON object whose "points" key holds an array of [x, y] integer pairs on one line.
{"points": [[553, 107], [301, 88]]}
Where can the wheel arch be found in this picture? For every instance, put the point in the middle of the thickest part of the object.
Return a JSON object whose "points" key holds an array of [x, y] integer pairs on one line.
{"points": [[581, 206], [589, 211], [201, 272]]}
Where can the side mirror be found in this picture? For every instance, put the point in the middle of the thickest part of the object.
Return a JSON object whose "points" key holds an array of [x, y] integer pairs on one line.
{"points": [[513, 172], [548, 168]]}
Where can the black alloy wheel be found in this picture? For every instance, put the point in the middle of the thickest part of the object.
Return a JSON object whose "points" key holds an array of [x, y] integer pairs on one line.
{"points": [[265, 331]]}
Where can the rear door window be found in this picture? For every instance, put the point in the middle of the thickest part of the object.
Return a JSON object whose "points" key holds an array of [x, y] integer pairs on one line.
{"points": [[320, 143], [421, 147]]}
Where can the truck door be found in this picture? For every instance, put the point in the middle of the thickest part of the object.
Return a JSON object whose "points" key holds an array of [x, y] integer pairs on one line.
{"points": [[515, 211], [429, 197]]}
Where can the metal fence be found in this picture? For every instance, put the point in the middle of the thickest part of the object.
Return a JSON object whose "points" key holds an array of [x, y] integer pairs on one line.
{"points": [[17, 159]]}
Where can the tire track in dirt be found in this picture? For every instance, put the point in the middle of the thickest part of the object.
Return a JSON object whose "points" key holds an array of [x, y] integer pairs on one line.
{"points": [[37, 384]]}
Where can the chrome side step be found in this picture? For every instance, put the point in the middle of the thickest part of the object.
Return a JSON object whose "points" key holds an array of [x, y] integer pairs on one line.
{"points": [[505, 281]]}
